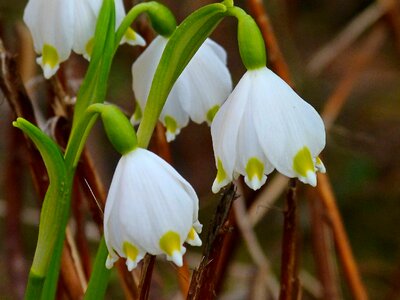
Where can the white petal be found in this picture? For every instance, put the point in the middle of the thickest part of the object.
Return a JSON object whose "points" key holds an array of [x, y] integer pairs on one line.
{"points": [[51, 23], [197, 226], [174, 110], [251, 161], [110, 261], [85, 13], [176, 258], [320, 165], [196, 241], [285, 123], [209, 82], [225, 128], [144, 67], [119, 12], [217, 49], [145, 221], [132, 38]]}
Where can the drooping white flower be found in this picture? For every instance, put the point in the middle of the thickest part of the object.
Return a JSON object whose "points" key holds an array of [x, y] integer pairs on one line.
{"points": [[264, 125], [197, 94], [151, 209], [59, 26]]}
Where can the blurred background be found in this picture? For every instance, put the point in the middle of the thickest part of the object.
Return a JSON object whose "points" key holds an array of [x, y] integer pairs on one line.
{"points": [[343, 57]]}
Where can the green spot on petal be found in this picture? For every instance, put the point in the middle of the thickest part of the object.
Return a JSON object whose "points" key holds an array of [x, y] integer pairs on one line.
{"points": [[130, 34], [89, 47], [303, 162], [211, 113], [171, 124], [130, 251], [170, 242], [255, 168], [221, 174], [50, 55], [192, 234]]}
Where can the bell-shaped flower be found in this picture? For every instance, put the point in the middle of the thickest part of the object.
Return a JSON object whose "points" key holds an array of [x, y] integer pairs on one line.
{"points": [[151, 209], [264, 125], [59, 26], [197, 94]]}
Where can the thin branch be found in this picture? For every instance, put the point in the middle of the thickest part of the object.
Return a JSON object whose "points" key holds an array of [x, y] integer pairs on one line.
{"points": [[368, 49], [265, 200], [350, 269], [145, 279], [14, 91], [78, 211], [345, 38], [392, 8], [323, 250], [202, 285], [71, 269], [290, 286], [266, 278]]}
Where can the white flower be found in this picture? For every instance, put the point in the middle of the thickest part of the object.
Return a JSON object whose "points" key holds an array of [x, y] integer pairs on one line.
{"points": [[59, 26], [151, 209], [198, 93], [264, 125]]}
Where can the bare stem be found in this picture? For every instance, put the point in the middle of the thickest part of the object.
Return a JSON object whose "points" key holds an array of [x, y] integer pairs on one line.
{"points": [[350, 269], [202, 285], [289, 276]]}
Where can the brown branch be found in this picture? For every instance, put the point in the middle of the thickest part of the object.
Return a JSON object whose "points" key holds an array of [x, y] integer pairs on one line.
{"points": [[345, 38], [265, 280], [322, 241], [392, 9], [350, 269], [275, 57], [202, 285], [368, 49], [267, 197], [14, 91], [78, 211], [289, 278], [145, 278], [71, 270]]}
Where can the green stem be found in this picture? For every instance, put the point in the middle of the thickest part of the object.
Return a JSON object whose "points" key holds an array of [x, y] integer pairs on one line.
{"points": [[162, 20], [98, 281], [34, 287]]}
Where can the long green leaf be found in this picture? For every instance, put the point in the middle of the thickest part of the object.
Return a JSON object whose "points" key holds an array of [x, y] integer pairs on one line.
{"points": [[55, 206], [181, 47]]}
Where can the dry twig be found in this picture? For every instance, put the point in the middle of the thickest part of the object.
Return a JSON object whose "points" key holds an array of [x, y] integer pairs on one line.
{"points": [[345, 38], [266, 278], [290, 286], [203, 282]]}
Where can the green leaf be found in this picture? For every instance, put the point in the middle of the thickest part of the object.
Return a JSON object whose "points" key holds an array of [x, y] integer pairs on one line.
{"points": [[181, 47], [55, 207]]}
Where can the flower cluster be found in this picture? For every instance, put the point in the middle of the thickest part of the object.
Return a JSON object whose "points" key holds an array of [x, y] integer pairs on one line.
{"points": [[59, 26], [264, 125], [198, 93], [151, 209]]}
